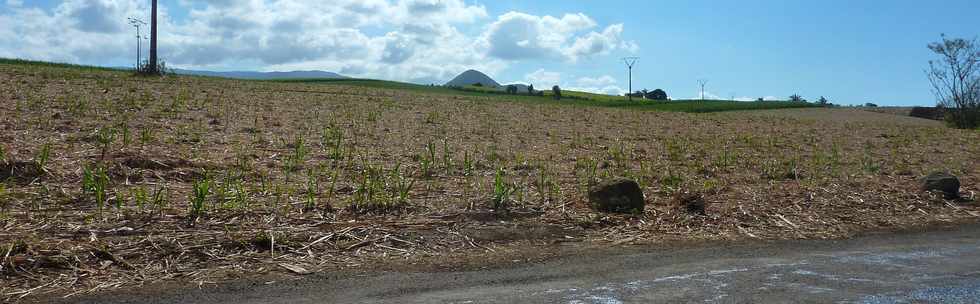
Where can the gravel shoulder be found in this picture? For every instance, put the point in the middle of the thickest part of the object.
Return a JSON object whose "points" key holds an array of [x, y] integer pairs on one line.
{"points": [[937, 265]]}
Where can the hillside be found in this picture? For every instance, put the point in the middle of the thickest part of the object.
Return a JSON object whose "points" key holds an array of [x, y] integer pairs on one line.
{"points": [[472, 77], [264, 75]]}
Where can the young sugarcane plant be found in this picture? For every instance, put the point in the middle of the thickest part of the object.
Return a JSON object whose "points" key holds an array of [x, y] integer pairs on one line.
{"points": [[105, 137], [42, 157], [199, 196], [501, 191], [402, 185], [94, 182]]}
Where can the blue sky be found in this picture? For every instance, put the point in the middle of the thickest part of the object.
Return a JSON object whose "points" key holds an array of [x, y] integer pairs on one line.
{"points": [[849, 51]]}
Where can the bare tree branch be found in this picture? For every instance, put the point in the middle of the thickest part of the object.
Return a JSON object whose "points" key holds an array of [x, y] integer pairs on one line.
{"points": [[955, 79]]}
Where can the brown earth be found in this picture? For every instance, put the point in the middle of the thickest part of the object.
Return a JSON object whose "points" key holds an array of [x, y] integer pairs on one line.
{"points": [[314, 177]]}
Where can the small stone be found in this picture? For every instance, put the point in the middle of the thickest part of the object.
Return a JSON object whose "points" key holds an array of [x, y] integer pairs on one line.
{"points": [[618, 196], [693, 203], [943, 182]]}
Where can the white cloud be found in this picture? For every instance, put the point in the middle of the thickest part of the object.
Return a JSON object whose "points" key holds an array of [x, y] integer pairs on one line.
{"points": [[608, 90], [603, 80], [409, 40], [708, 95], [595, 43], [516, 36], [629, 46], [95, 16], [73, 31], [711, 95], [543, 78], [604, 84]]}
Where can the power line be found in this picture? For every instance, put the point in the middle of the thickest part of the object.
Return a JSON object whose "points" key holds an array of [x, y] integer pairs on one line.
{"points": [[702, 82], [630, 61]]}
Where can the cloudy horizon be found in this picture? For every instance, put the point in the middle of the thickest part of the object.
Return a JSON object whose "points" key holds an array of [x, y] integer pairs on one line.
{"points": [[420, 41], [575, 45]]}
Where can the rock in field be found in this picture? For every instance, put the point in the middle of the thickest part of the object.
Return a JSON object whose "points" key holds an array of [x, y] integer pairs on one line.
{"points": [[617, 195], [693, 203], [946, 183]]}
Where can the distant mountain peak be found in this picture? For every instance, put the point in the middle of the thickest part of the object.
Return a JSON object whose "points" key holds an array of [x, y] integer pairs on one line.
{"points": [[471, 77]]}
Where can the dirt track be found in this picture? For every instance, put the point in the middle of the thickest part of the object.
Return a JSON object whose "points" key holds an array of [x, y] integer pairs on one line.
{"points": [[937, 266]]}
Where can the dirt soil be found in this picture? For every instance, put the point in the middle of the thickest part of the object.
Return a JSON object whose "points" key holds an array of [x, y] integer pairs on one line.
{"points": [[113, 181]]}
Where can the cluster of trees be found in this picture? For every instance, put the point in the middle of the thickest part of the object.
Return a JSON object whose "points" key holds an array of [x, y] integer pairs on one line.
{"points": [[657, 94], [514, 90], [822, 101]]}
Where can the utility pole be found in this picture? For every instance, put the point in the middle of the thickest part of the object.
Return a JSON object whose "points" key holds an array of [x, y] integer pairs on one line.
{"points": [[153, 40], [702, 82], [630, 61], [137, 23]]}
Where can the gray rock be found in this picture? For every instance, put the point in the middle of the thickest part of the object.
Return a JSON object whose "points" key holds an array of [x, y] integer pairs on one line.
{"points": [[691, 202], [946, 183], [618, 196]]}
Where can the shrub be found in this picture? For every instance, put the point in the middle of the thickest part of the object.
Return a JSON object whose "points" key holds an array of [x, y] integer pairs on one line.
{"points": [[927, 113], [955, 79], [823, 101]]}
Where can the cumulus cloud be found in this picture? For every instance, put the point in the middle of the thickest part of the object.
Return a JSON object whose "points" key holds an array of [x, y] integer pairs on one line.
{"points": [[603, 80], [73, 31], [410, 40], [608, 90], [543, 78], [94, 16], [516, 36], [712, 95], [604, 84]]}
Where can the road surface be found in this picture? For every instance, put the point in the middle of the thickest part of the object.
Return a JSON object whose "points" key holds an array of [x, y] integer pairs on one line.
{"points": [[939, 266]]}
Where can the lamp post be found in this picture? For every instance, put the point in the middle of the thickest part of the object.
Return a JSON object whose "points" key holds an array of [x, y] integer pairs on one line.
{"points": [[137, 23]]}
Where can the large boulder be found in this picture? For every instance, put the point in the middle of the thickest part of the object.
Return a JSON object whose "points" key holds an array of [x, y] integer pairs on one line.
{"points": [[617, 195], [943, 182]]}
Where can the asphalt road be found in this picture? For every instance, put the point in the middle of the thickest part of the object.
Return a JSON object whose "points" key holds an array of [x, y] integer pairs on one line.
{"points": [[939, 266]]}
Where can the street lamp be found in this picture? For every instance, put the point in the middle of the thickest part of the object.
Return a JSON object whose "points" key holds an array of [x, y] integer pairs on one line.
{"points": [[137, 23]]}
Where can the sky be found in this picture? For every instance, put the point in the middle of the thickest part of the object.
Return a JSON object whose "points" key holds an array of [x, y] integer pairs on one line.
{"points": [[850, 51]]}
